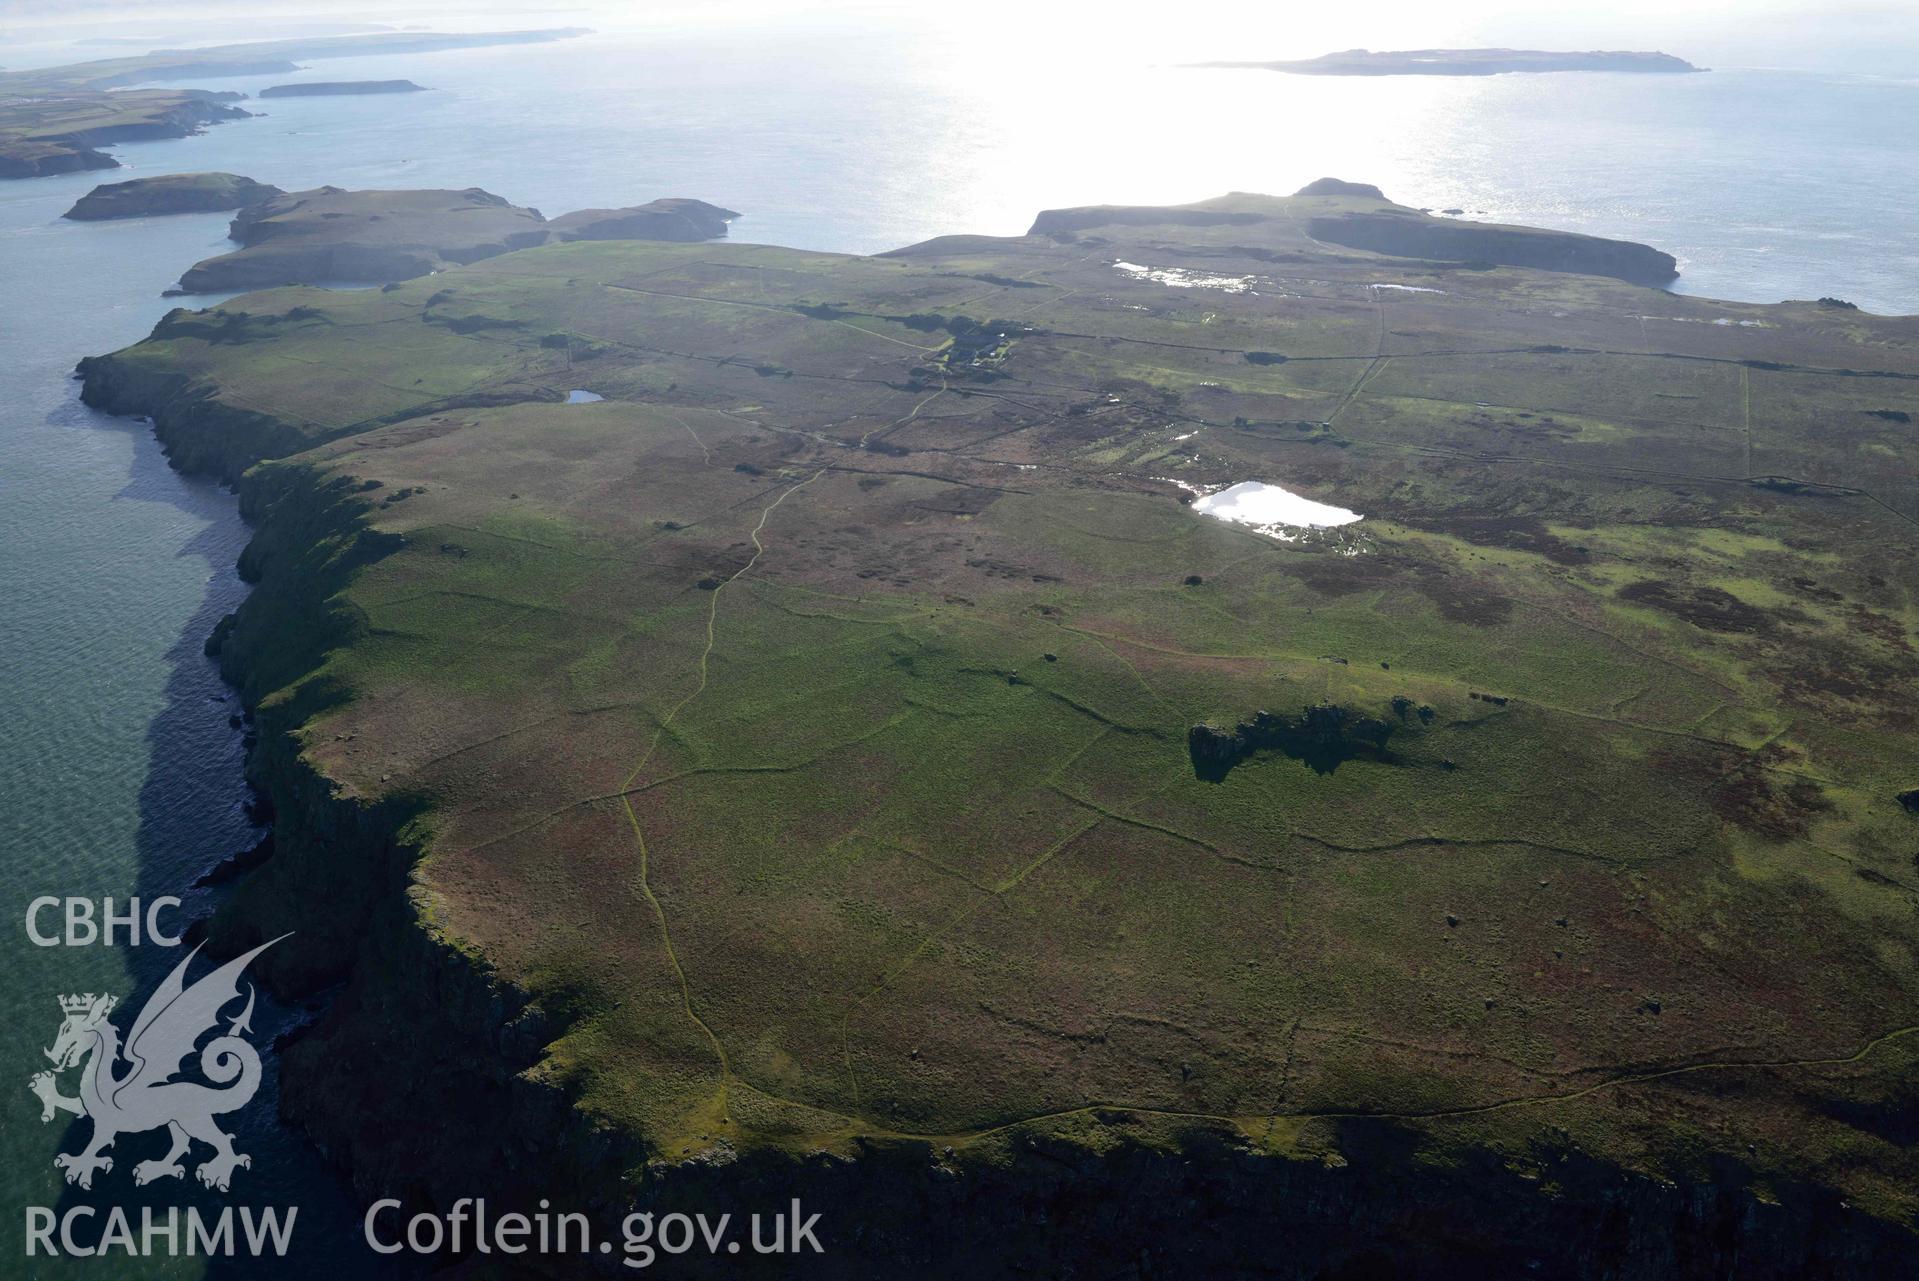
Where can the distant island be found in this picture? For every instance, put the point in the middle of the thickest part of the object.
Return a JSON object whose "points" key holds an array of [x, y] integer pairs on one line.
{"points": [[329, 88], [1468, 62]]}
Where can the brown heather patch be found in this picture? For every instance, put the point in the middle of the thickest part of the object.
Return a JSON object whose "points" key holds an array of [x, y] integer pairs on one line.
{"points": [[1712, 608]]}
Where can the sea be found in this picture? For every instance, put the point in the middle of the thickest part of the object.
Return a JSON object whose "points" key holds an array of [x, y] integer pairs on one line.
{"points": [[120, 750]]}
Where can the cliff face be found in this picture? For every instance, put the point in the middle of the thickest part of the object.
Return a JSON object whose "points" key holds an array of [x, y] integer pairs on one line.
{"points": [[199, 434]]}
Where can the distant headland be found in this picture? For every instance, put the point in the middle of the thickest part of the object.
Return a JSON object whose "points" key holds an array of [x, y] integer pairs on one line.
{"points": [[331, 88], [54, 120], [1468, 62]]}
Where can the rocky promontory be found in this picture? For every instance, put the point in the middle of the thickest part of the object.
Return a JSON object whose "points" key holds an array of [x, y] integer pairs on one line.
{"points": [[672, 218], [1408, 233], [1331, 211], [173, 193], [337, 88], [332, 234]]}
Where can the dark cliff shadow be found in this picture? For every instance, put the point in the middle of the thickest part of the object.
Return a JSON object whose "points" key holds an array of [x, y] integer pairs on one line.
{"points": [[195, 814]]}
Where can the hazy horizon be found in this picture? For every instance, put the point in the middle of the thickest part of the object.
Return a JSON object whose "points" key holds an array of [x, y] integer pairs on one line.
{"points": [[1879, 38]]}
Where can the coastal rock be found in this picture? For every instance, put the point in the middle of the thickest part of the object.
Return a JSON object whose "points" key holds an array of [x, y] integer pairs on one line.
{"points": [[170, 194]]}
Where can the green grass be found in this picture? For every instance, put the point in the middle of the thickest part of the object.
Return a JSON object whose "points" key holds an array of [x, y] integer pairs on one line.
{"points": [[846, 791]]}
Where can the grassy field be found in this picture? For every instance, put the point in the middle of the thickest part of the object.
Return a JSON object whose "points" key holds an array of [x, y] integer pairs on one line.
{"points": [[809, 718]]}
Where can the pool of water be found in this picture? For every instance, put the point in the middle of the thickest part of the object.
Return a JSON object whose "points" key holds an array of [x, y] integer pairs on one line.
{"points": [[1271, 509]]}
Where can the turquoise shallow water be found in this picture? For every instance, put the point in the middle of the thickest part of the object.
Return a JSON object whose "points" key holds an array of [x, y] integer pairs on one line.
{"points": [[119, 772]]}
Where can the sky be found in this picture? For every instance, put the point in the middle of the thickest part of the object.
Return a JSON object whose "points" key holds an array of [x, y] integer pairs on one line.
{"points": [[1879, 36]]}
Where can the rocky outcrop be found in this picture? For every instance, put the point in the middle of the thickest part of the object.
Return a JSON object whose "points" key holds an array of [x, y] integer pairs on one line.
{"points": [[335, 88], [170, 194], [1410, 234]]}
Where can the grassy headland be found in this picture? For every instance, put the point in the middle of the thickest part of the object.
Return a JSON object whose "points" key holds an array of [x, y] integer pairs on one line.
{"points": [[805, 729]]}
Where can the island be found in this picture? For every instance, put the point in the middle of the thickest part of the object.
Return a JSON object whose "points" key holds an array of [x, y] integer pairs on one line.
{"points": [[334, 88], [173, 193], [331, 234], [53, 120], [1167, 713], [1469, 62]]}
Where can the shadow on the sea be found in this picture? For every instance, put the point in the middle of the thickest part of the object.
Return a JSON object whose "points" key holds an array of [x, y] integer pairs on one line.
{"points": [[195, 813]]}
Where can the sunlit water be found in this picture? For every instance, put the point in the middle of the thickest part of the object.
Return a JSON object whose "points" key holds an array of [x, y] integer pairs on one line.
{"points": [[119, 773]]}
